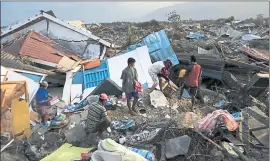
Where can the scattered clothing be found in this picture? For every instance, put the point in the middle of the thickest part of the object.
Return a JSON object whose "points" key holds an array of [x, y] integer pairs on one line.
{"points": [[144, 153], [123, 124], [143, 136], [77, 106], [110, 145], [100, 155], [236, 116], [210, 121], [59, 120]]}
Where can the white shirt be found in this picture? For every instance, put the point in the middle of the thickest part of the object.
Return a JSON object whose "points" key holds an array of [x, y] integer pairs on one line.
{"points": [[156, 67]]}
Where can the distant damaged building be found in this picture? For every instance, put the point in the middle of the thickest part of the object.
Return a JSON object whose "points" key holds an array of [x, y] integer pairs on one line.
{"points": [[78, 40]]}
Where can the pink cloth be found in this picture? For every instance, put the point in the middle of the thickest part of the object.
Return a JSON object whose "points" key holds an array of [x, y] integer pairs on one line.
{"points": [[209, 122]]}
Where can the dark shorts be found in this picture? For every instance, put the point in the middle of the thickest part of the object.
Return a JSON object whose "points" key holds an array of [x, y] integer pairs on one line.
{"points": [[192, 90], [132, 94]]}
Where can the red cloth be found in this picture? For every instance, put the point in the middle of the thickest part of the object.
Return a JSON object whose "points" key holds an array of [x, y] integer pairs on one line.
{"points": [[137, 86], [193, 76], [165, 72]]}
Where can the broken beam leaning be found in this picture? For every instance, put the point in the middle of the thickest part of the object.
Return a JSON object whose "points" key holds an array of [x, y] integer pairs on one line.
{"points": [[263, 119], [211, 141]]}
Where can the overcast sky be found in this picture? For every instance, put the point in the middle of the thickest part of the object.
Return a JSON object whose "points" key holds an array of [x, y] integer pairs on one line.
{"points": [[90, 12]]}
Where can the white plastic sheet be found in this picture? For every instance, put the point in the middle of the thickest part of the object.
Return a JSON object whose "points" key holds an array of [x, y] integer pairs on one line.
{"points": [[67, 88], [92, 51], [118, 63], [87, 91], [76, 91], [13, 76]]}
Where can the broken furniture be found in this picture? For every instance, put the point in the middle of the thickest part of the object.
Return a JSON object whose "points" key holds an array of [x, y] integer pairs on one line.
{"points": [[168, 88], [15, 117]]}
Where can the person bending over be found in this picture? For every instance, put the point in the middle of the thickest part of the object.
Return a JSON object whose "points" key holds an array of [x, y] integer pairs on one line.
{"points": [[158, 70]]}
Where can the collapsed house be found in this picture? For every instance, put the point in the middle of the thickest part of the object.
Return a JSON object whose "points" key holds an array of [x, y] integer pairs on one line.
{"points": [[54, 45], [77, 40]]}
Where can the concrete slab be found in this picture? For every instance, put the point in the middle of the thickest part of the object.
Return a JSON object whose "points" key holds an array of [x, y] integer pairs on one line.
{"points": [[76, 134], [177, 146], [158, 99]]}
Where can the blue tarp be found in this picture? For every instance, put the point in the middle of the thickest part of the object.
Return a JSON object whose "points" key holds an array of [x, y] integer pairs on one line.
{"points": [[34, 77], [249, 37], [195, 35]]}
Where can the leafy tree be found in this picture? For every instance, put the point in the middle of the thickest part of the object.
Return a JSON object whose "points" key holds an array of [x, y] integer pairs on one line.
{"points": [[173, 17], [154, 22], [131, 34], [231, 18], [259, 21]]}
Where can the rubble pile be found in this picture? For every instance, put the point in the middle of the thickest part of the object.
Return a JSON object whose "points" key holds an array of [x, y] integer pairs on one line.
{"points": [[231, 123]]}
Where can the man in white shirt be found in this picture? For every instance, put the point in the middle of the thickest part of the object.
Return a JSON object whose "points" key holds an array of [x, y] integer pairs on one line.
{"points": [[157, 70]]}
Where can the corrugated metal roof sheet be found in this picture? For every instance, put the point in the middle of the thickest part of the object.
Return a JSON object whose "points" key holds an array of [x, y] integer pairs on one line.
{"points": [[42, 48], [10, 61], [43, 15], [256, 53], [92, 77], [14, 47], [159, 47]]}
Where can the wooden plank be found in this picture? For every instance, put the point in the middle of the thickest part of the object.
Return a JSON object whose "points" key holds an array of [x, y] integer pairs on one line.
{"points": [[21, 118], [3, 98], [5, 77]]}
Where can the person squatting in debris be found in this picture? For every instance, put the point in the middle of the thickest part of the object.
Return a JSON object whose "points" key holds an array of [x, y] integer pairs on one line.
{"points": [[159, 70], [192, 80], [43, 98], [129, 76], [97, 117]]}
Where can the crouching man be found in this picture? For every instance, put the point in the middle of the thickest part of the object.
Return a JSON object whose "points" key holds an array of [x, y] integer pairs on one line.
{"points": [[97, 118], [159, 70]]}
